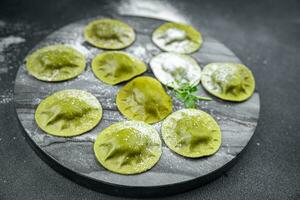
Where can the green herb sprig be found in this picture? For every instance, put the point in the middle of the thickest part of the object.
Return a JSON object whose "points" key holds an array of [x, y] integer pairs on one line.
{"points": [[186, 93]]}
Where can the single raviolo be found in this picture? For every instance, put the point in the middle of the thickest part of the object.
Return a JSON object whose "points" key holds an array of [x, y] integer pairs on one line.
{"points": [[179, 38], [144, 99], [191, 133], [55, 63], [128, 147], [113, 67], [109, 34], [173, 68], [68, 113], [228, 81]]}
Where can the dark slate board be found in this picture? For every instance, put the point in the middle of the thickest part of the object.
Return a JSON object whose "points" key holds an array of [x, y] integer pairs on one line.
{"points": [[74, 157]]}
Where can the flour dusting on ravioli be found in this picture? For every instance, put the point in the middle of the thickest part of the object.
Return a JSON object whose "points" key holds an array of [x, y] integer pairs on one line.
{"points": [[55, 63], [144, 99], [109, 34], [179, 38], [68, 113], [228, 81], [191, 133], [128, 147], [113, 67], [173, 68]]}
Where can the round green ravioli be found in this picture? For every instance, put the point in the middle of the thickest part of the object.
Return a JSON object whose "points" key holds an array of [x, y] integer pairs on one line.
{"points": [[68, 113], [109, 34], [113, 67], [128, 147], [228, 81], [144, 99], [191, 133], [173, 68], [179, 38], [55, 63]]}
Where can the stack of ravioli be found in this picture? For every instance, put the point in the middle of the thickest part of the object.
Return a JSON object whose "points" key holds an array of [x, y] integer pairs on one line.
{"points": [[135, 146]]}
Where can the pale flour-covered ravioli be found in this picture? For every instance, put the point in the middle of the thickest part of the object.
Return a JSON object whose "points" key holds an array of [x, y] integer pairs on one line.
{"points": [[109, 34], [128, 147], [179, 38], [68, 113], [173, 68], [144, 99], [191, 133], [113, 67], [55, 63], [228, 81]]}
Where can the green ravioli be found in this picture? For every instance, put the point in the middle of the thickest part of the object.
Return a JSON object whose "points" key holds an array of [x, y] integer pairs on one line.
{"points": [[55, 63], [113, 67], [191, 133], [228, 81], [144, 99], [128, 147], [109, 34], [173, 68], [179, 38], [68, 113]]}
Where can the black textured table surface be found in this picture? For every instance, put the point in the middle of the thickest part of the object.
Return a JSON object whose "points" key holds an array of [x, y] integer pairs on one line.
{"points": [[264, 35]]}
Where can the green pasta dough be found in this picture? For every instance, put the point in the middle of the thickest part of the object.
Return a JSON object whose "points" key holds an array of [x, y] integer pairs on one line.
{"points": [[109, 34], [114, 67], [128, 147], [228, 81], [68, 113], [179, 38], [144, 99], [191, 133], [55, 63]]}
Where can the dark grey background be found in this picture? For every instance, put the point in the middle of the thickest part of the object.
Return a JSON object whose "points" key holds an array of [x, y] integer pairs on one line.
{"points": [[264, 35]]}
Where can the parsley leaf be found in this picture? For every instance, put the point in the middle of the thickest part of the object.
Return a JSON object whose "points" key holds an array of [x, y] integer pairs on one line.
{"points": [[186, 93]]}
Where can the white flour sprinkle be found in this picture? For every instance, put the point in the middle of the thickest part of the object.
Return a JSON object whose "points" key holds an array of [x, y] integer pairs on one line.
{"points": [[139, 52], [2, 58], [6, 97], [7, 41], [3, 69], [265, 62], [4, 43], [2, 23], [150, 8]]}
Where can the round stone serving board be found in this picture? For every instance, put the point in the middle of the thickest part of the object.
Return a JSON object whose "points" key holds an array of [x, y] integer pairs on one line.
{"points": [[74, 157]]}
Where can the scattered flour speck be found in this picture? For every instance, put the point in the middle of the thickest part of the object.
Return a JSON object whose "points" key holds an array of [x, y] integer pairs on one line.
{"points": [[2, 23], [3, 69], [150, 8], [139, 52], [6, 97], [4, 43], [7, 41]]}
